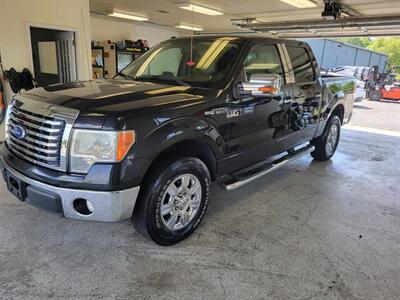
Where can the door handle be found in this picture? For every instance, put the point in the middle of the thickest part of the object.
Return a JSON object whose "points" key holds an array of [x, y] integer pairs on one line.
{"points": [[299, 96], [287, 100]]}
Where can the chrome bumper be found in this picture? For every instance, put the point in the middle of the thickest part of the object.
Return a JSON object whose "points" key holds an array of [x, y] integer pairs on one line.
{"points": [[109, 206]]}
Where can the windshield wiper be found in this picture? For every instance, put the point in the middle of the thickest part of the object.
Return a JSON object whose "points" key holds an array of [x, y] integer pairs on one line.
{"points": [[127, 76], [162, 79]]}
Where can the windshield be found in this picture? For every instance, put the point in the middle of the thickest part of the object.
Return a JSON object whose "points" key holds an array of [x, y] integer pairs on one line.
{"points": [[207, 65]]}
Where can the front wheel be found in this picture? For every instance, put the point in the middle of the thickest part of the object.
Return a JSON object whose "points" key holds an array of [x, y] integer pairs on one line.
{"points": [[173, 202], [375, 95], [326, 144]]}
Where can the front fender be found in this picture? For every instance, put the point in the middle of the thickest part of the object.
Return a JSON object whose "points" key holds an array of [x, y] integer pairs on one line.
{"points": [[138, 161], [179, 130]]}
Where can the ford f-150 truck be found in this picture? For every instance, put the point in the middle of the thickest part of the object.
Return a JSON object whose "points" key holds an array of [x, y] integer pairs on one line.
{"points": [[147, 144]]}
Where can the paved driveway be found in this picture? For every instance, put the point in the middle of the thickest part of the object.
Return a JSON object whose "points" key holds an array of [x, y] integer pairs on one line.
{"points": [[381, 115]]}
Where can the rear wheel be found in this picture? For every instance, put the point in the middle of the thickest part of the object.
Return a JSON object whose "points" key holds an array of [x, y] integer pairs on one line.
{"points": [[375, 95], [326, 144], [173, 201]]}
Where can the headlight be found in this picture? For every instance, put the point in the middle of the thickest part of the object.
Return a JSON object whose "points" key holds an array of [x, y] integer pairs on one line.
{"points": [[92, 146]]}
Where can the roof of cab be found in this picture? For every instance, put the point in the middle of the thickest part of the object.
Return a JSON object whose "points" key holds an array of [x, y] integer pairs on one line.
{"points": [[245, 38]]}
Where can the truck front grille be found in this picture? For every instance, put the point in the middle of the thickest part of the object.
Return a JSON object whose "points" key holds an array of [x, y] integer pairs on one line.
{"points": [[39, 133], [41, 141]]}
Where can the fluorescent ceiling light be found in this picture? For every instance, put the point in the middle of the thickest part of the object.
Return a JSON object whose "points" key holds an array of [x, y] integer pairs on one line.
{"points": [[189, 27], [129, 17], [202, 10], [300, 3]]}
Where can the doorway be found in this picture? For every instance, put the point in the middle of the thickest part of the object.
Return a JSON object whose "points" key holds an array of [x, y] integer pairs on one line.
{"points": [[53, 54]]}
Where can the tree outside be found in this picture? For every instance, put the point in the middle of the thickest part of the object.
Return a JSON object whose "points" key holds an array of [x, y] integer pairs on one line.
{"points": [[387, 45]]}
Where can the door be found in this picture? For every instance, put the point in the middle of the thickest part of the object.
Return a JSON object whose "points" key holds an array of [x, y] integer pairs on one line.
{"points": [[53, 53], [306, 95], [258, 125]]}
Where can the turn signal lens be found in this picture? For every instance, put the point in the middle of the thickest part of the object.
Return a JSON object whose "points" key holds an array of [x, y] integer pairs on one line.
{"points": [[267, 89], [125, 141]]}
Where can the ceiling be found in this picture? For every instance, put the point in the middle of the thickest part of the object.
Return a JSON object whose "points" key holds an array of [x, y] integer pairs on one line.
{"points": [[168, 13]]}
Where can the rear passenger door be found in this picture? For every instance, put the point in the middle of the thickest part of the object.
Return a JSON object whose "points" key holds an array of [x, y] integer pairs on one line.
{"points": [[306, 94]]}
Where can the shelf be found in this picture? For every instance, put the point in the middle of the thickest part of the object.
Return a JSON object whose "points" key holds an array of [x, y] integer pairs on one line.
{"points": [[96, 52]]}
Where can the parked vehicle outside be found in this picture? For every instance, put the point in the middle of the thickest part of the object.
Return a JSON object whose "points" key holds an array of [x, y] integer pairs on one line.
{"points": [[361, 73], [147, 144], [388, 86]]}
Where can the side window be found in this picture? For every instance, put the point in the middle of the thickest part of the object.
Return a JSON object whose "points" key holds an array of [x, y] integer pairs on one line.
{"points": [[301, 63], [263, 59]]}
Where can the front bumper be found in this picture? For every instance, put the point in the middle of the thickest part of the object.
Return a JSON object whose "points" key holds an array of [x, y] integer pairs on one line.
{"points": [[108, 206]]}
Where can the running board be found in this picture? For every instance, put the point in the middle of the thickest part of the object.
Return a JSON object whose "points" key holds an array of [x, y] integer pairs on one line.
{"points": [[244, 178]]}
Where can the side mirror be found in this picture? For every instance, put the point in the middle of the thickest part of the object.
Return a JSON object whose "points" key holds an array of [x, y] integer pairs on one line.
{"points": [[261, 85]]}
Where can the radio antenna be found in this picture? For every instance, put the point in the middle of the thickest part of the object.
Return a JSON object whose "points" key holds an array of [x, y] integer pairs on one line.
{"points": [[191, 63]]}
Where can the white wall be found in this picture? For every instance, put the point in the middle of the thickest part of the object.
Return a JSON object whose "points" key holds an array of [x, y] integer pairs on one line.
{"points": [[16, 15], [105, 28]]}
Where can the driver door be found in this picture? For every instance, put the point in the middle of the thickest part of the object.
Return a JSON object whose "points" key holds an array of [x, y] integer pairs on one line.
{"points": [[258, 125]]}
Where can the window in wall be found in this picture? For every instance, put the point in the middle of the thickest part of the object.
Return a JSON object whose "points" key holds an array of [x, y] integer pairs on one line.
{"points": [[301, 62], [263, 59]]}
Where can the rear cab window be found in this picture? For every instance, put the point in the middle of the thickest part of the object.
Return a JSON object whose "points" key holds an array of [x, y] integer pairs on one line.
{"points": [[301, 63]]}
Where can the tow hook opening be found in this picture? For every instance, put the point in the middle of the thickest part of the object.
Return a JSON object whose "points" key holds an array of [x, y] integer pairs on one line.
{"points": [[14, 183], [83, 206]]}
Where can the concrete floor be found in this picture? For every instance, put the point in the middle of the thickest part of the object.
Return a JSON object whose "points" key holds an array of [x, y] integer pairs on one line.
{"points": [[381, 115], [308, 231]]}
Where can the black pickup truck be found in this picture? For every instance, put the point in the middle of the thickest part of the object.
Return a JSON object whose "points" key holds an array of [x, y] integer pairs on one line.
{"points": [[147, 144]]}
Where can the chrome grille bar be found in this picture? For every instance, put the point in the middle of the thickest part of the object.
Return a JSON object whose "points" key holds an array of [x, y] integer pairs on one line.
{"points": [[34, 127], [32, 154], [40, 150], [19, 112], [34, 141]]}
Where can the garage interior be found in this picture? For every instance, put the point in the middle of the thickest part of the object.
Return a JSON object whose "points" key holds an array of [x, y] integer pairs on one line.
{"points": [[309, 230]]}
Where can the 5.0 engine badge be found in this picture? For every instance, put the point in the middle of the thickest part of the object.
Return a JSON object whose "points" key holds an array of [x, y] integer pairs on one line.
{"points": [[230, 113]]}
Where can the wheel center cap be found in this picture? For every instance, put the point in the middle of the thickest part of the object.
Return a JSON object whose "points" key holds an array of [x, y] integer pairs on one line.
{"points": [[181, 201]]}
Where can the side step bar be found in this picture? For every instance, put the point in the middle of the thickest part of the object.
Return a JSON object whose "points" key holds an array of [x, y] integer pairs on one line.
{"points": [[243, 178]]}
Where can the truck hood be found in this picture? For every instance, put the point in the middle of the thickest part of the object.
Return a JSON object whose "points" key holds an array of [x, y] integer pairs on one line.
{"points": [[115, 96]]}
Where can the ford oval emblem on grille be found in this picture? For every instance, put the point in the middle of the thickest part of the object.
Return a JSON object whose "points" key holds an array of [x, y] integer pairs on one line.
{"points": [[19, 132]]}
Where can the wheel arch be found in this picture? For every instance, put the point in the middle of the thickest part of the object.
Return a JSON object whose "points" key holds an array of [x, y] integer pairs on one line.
{"points": [[186, 148], [183, 137], [338, 110]]}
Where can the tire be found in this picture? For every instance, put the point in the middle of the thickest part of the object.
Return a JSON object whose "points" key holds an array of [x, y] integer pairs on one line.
{"points": [[326, 144], [375, 95], [167, 211], [359, 99]]}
